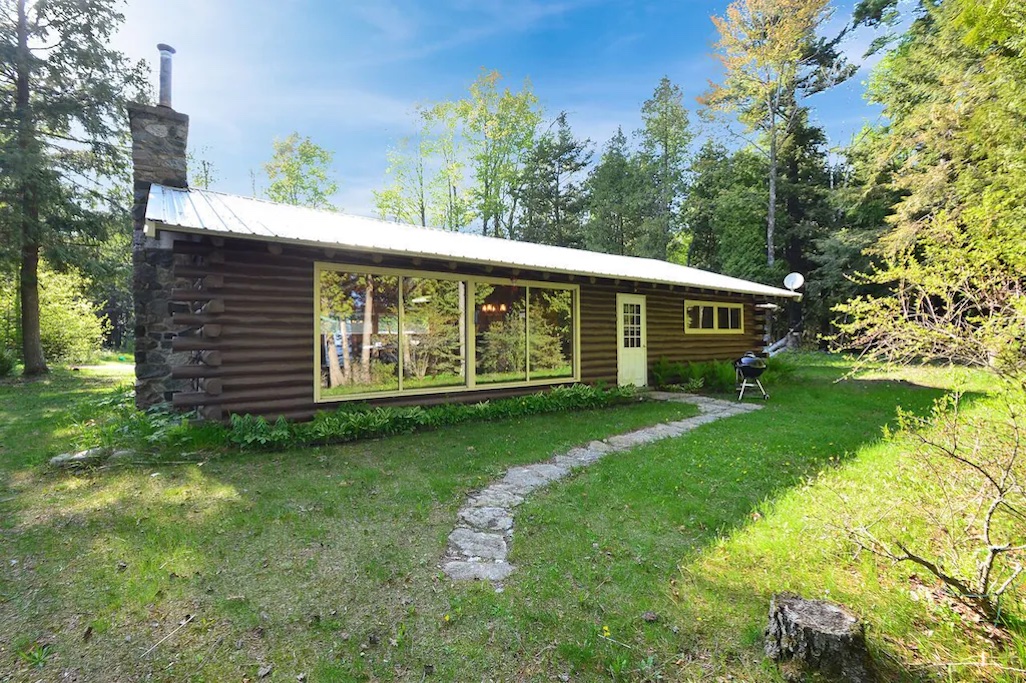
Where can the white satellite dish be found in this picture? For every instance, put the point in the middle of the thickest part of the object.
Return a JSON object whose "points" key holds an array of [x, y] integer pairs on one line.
{"points": [[794, 281]]}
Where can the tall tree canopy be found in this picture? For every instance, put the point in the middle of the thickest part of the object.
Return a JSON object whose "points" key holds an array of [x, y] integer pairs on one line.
{"points": [[773, 59], [300, 173], [425, 177], [497, 130], [551, 192], [665, 140], [951, 263], [62, 124], [615, 200]]}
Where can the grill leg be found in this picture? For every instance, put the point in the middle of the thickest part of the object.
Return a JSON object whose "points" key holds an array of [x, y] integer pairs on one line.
{"points": [[765, 396], [744, 384]]}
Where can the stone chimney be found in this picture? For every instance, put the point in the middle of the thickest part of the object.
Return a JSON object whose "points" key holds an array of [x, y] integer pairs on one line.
{"points": [[159, 136]]}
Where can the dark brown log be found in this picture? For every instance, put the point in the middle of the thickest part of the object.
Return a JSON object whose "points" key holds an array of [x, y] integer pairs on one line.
{"points": [[817, 636], [213, 386]]}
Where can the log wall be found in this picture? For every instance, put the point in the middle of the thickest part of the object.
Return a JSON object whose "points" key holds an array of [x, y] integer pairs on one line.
{"points": [[244, 309]]}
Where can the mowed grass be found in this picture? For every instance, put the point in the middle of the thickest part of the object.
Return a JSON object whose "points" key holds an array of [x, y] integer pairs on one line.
{"points": [[655, 564], [320, 561]]}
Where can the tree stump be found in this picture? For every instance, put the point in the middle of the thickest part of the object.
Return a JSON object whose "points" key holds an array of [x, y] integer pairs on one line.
{"points": [[815, 635]]}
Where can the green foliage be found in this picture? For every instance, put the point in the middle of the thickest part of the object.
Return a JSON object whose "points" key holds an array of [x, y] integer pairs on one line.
{"points": [[8, 361], [62, 96], [121, 425], [72, 328], [615, 201], [947, 278], [300, 173], [550, 194], [353, 422], [715, 376], [665, 138]]}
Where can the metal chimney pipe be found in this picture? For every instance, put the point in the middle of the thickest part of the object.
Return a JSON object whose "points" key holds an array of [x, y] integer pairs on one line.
{"points": [[165, 74]]}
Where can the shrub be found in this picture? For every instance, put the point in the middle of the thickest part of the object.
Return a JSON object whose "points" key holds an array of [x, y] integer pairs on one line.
{"points": [[70, 326], [8, 361], [962, 520], [710, 375], [359, 421]]}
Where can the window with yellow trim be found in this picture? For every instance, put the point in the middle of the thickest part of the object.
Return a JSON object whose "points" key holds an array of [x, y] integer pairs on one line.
{"points": [[713, 317], [386, 332]]}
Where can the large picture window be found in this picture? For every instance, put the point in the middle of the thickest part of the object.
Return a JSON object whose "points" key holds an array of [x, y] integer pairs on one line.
{"points": [[385, 332], [708, 317]]}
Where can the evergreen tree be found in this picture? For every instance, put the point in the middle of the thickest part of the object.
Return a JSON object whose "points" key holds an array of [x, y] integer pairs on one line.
{"points": [[62, 121], [952, 259], [550, 193], [615, 201], [665, 139]]}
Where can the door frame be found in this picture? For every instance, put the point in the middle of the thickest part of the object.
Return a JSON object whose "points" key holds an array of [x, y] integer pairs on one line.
{"points": [[622, 299]]}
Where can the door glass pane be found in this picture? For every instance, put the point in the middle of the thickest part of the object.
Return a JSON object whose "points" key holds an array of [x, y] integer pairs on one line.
{"points": [[500, 333], [434, 333], [632, 326], [359, 333], [551, 333]]}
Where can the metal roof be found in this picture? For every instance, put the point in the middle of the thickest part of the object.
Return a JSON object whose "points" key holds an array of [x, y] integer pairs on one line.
{"points": [[205, 212]]}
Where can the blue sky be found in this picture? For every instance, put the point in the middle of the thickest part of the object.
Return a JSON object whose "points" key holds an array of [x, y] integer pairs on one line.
{"points": [[348, 74]]}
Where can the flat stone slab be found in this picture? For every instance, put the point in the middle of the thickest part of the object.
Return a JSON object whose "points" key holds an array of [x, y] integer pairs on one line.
{"points": [[487, 518], [495, 496], [480, 571], [479, 546]]}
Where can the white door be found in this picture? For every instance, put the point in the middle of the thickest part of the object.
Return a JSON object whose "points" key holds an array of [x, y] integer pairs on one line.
{"points": [[632, 342]]}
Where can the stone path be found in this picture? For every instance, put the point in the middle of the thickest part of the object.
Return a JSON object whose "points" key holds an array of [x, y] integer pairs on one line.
{"points": [[479, 544]]}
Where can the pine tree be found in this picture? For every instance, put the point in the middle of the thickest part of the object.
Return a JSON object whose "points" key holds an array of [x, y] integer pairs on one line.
{"points": [[665, 140], [614, 200], [62, 121], [551, 194]]}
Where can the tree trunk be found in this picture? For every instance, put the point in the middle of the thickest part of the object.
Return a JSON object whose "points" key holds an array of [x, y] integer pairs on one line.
{"points": [[347, 355], [816, 635], [31, 341], [771, 214], [368, 322], [335, 376]]}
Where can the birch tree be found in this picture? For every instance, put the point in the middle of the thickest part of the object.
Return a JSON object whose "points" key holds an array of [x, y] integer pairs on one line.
{"points": [[773, 60]]}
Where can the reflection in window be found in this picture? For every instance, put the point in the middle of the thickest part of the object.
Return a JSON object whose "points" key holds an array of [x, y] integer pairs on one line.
{"points": [[701, 316], [359, 333], [500, 319], [434, 352], [551, 333]]}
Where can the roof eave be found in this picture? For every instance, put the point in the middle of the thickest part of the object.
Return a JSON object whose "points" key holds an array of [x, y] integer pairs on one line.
{"points": [[154, 225]]}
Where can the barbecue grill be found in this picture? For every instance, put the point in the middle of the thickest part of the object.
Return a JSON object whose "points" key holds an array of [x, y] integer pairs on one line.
{"points": [[748, 368]]}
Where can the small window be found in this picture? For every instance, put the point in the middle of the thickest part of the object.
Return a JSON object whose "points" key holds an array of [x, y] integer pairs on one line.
{"points": [[706, 317]]}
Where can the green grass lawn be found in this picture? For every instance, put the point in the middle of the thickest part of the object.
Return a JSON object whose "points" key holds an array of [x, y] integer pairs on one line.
{"points": [[324, 561]]}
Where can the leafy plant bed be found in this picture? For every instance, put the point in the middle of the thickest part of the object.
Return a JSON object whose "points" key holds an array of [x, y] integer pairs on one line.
{"points": [[353, 422]]}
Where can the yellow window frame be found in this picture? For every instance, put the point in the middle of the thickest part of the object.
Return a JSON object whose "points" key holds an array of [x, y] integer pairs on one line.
{"points": [[715, 329], [471, 376]]}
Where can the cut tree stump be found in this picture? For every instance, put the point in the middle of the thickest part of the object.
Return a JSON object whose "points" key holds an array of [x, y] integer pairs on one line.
{"points": [[817, 636]]}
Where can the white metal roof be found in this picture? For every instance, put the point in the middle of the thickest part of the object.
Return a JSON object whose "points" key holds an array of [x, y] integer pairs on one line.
{"points": [[215, 213]]}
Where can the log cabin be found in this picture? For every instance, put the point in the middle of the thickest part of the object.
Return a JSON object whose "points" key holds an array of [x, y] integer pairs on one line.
{"points": [[247, 306]]}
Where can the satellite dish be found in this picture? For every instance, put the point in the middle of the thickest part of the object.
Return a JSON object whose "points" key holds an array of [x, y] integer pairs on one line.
{"points": [[794, 281]]}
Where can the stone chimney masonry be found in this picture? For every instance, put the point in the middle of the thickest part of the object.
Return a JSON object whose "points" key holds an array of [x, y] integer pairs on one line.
{"points": [[159, 136]]}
